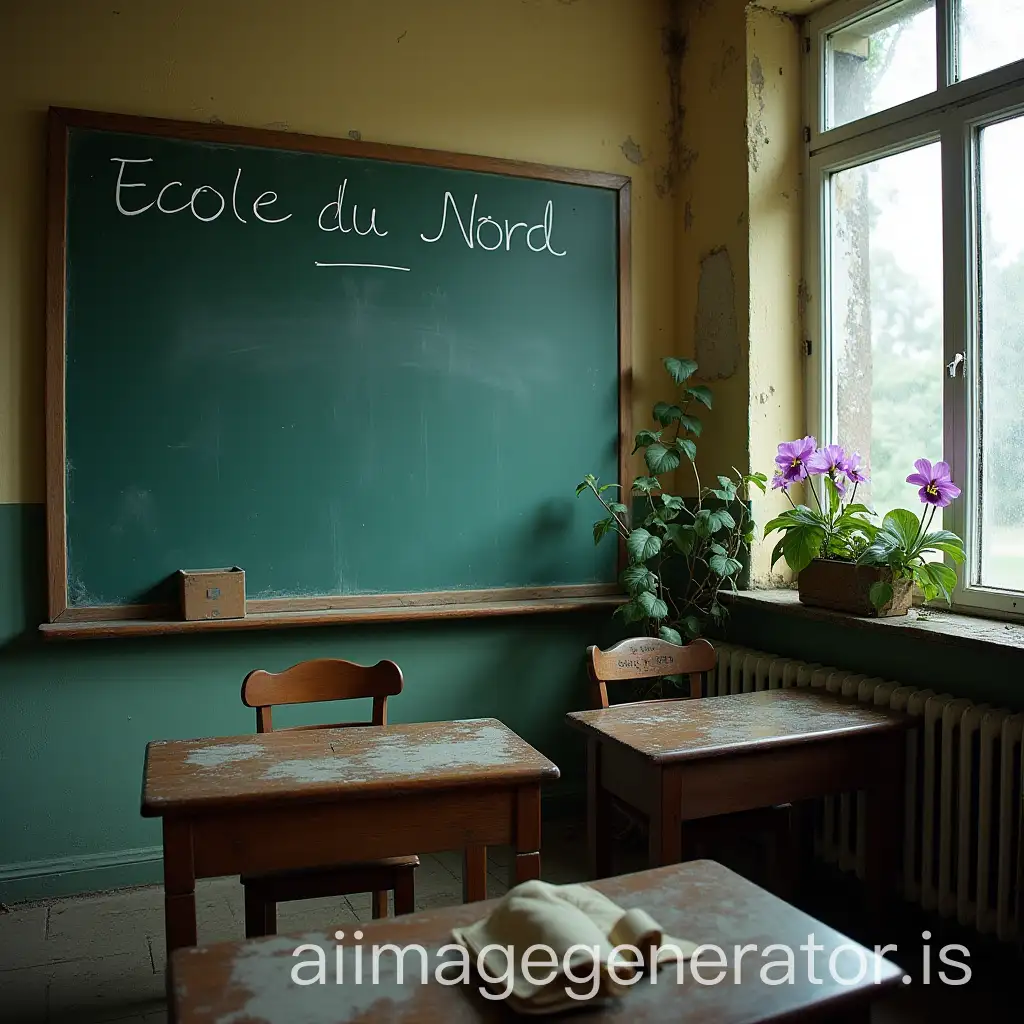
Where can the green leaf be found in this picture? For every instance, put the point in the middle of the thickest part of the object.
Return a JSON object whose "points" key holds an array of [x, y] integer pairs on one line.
{"points": [[721, 517], [880, 594], [924, 580], [944, 541], [617, 506], [801, 545], [833, 495], [692, 424], [673, 502], [670, 634], [701, 393], [665, 413], [777, 552], [702, 523], [903, 525], [717, 549], [687, 447], [585, 484], [646, 484], [680, 369], [631, 611], [601, 527], [722, 565], [660, 459], [644, 438], [607, 487], [757, 479], [799, 516], [653, 606], [681, 536], [693, 626], [943, 578], [642, 545], [637, 578]]}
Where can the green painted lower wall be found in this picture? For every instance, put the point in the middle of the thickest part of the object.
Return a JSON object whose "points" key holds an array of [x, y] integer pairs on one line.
{"points": [[77, 716]]}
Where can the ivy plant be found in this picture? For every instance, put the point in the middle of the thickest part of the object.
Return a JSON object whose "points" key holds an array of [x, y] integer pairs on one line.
{"points": [[681, 553]]}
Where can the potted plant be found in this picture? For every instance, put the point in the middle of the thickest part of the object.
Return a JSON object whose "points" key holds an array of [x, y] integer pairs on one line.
{"points": [[682, 552], [843, 557]]}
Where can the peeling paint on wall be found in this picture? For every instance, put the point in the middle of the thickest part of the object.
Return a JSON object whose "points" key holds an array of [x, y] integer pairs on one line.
{"points": [[631, 150], [758, 134], [716, 335]]}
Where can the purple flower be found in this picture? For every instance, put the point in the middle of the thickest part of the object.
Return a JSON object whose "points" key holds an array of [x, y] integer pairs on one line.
{"points": [[936, 486], [852, 468], [827, 460], [792, 458], [779, 482]]}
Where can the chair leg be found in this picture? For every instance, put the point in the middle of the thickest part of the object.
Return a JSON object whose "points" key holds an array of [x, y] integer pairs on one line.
{"points": [[260, 914], [379, 904], [405, 893]]}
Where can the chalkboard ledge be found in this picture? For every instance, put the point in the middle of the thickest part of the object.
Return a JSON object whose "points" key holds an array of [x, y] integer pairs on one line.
{"points": [[96, 630]]}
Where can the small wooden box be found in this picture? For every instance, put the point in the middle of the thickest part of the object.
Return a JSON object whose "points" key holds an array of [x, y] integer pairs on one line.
{"points": [[212, 593]]}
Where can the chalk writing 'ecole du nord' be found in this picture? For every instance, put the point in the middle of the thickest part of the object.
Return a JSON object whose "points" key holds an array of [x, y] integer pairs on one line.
{"points": [[341, 214]]}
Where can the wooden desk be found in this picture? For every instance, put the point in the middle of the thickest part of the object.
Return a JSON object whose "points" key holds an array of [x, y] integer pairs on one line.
{"points": [[680, 760], [307, 798], [702, 901]]}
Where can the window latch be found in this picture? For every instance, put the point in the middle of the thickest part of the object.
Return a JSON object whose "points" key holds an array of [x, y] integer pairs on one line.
{"points": [[958, 361]]}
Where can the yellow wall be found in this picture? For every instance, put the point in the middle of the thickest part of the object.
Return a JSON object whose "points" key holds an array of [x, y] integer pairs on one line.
{"points": [[711, 206], [775, 168], [738, 235], [580, 84]]}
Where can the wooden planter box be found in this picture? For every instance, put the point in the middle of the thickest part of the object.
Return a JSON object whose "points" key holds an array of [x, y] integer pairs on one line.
{"points": [[844, 587]]}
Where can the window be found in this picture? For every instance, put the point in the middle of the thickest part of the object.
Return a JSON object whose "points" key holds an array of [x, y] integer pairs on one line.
{"points": [[916, 261]]}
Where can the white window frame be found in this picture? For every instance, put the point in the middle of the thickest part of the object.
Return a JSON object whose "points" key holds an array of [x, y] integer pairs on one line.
{"points": [[952, 116]]}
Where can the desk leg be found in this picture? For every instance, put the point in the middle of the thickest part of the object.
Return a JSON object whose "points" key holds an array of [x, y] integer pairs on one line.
{"points": [[883, 826], [179, 885], [527, 843], [599, 815], [665, 828], [474, 874]]}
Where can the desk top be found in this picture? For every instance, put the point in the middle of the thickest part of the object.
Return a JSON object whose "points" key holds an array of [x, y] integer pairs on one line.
{"points": [[319, 764], [701, 900], [679, 730]]}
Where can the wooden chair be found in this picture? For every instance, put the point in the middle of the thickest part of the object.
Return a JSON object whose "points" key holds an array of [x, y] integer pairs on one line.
{"points": [[322, 680], [650, 658]]}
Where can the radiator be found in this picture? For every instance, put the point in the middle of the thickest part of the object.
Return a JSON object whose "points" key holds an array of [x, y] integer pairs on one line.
{"points": [[964, 787]]}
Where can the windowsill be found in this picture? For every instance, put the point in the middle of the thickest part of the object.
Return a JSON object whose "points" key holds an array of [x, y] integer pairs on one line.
{"points": [[929, 624]]}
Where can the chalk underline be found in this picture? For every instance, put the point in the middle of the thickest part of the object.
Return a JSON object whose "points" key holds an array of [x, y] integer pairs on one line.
{"points": [[378, 266]]}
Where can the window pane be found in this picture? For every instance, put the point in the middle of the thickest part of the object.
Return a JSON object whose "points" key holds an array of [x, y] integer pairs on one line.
{"points": [[1001, 223], [886, 318], [880, 61], [991, 34]]}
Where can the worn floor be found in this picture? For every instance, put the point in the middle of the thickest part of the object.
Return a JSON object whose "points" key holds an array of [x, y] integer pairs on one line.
{"points": [[101, 958]]}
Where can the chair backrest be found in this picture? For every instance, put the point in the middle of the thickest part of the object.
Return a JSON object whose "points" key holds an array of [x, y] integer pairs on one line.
{"points": [[319, 680], [648, 658]]}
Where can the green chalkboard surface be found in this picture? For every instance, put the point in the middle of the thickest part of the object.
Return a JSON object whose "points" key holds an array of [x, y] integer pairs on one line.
{"points": [[350, 375]]}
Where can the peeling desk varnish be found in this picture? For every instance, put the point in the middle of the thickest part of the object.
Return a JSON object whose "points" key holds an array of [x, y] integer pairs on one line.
{"points": [[307, 798], [682, 760], [251, 982]]}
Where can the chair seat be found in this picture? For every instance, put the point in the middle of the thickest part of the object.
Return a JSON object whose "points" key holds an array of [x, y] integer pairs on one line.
{"points": [[330, 880]]}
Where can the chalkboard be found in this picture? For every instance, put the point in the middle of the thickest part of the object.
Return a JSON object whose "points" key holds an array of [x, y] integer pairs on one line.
{"points": [[360, 372]]}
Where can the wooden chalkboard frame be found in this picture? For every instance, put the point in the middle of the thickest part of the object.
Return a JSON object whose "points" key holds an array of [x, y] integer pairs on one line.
{"points": [[134, 620]]}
